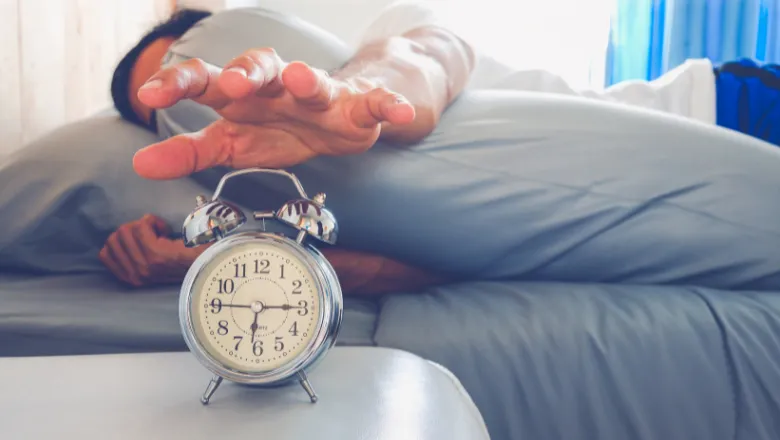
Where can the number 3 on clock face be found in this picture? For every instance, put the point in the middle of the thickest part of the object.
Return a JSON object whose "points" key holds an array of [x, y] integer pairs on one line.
{"points": [[256, 307]]}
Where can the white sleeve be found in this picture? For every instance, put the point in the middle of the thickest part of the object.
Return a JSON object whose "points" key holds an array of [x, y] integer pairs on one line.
{"points": [[406, 15]]}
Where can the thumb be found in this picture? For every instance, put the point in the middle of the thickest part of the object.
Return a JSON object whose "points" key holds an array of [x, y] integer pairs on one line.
{"points": [[185, 154]]}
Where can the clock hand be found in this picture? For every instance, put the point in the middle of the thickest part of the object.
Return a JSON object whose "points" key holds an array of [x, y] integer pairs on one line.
{"points": [[284, 307], [237, 306], [254, 327]]}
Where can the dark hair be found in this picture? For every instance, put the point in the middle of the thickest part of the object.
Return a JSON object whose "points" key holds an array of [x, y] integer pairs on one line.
{"points": [[176, 26]]}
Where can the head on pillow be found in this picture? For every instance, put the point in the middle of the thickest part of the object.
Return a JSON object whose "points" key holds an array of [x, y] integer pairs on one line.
{"points": [[144, 60]]}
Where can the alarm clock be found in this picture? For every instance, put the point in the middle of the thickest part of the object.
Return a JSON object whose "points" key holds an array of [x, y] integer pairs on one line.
{"points": [[256, 307]]}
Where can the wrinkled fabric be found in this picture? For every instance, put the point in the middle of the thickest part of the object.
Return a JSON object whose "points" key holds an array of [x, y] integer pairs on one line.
{"points": [[533, 187], [550, 361]]}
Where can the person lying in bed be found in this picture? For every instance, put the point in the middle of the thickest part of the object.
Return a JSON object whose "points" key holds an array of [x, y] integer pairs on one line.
{"points": [[276, 113], [310, 113]]}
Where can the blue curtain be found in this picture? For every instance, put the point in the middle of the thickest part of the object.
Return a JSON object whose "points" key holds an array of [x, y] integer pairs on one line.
{"points": [[650, 37]]}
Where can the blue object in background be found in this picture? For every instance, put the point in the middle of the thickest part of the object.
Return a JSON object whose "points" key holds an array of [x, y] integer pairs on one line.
{"points": [[650, 37]]}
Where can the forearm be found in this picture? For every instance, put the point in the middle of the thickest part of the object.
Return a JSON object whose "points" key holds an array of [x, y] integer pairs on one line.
{"points": [[429, 66], [367, 274]]}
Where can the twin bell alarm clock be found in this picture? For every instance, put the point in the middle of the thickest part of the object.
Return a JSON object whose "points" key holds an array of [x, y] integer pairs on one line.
{"points": [[260, 308]]}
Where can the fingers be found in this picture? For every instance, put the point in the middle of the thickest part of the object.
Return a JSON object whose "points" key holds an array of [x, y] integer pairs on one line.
{"points": [[185, 154], [129, 252], [192, 79], [380, 105], [107, 258], [255, 72], [118, 261], [310, 87], [129, 238], [159, 250]]}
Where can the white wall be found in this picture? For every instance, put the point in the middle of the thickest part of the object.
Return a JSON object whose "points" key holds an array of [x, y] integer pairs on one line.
{"points": [[57, 58], [568, 37]]}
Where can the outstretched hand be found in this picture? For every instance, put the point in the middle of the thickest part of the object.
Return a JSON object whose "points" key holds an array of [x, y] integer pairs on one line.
{"points": [[274, 115]]}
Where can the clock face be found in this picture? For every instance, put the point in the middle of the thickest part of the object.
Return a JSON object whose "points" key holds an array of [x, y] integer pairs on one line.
{"points": [[255, 307]]}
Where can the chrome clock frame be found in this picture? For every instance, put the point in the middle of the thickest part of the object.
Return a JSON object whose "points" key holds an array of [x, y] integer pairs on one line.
{"points": [[326, 282]]}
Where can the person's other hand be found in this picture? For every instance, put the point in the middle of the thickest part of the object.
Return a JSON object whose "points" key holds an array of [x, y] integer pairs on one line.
{"points": [[274, 115], [140, 253]]}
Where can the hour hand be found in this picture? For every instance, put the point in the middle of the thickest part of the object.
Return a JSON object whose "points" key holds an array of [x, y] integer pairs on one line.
{"points": [[283, 307]]}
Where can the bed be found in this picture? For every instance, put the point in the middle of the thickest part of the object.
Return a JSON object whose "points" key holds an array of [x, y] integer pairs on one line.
{"points": [[618, 275]]}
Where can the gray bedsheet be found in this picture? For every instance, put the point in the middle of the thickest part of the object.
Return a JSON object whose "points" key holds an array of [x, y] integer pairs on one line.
{"points": [[92, 313]]}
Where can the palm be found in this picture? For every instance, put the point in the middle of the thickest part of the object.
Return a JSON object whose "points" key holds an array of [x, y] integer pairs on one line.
{"points": [[272, 116]]}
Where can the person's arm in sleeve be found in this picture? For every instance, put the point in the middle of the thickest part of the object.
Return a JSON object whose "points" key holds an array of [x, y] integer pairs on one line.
{"points": [[411, 49]]}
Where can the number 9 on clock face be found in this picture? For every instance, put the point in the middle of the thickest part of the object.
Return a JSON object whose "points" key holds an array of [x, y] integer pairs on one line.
{"points": [[256, 308]]}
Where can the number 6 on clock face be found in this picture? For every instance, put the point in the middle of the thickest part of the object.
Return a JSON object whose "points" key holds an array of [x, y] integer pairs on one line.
{"points": [[260, 308]]}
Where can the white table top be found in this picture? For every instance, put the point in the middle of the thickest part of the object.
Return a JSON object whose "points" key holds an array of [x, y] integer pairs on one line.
{"points": [[364, 393]]}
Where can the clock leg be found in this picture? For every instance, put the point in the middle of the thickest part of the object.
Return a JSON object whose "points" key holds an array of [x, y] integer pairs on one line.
{"points": [[216, 381], [307, 386]]}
